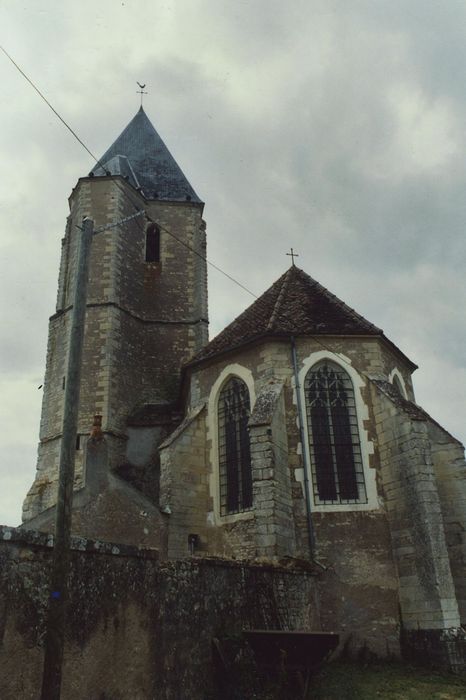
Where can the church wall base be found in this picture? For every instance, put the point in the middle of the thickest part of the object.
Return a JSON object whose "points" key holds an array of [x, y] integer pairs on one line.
{"points": [[442, 648], [136, 627]]}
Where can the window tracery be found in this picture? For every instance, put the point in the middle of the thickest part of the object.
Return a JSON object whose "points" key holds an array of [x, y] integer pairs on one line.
{"points": [[234, 448], [335, 450]]}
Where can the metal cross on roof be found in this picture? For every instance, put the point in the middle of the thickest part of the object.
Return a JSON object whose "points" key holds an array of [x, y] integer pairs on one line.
{"points": [[293, 256], [141, 91]]}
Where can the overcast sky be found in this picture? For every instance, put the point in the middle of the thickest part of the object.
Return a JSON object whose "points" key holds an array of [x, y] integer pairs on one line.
{"points": [[336, 127]]}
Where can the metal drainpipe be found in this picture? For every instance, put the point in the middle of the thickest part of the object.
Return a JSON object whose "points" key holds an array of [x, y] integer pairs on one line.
{"points": [[310, 527]]}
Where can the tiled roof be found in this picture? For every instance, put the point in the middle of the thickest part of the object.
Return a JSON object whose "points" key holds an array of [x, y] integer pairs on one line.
{"points": [[140, 155], [294, 305]]}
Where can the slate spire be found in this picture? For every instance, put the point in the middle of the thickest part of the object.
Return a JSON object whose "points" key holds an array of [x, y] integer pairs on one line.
{"points": [[140, 155]]}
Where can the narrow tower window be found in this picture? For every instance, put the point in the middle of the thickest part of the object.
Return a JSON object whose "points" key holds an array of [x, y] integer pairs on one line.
{"points": [[335, 450], [234, 450], [152, 243]]}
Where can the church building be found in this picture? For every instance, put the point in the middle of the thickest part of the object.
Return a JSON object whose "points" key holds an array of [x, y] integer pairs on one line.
{"points": [[293, 437]]}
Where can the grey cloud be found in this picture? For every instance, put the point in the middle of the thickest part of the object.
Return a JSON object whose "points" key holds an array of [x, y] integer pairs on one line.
{"points": [[286, 120]]}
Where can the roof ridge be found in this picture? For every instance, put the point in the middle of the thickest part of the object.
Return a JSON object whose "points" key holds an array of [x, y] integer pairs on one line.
{"points": [[278, 301], [357, 316]]}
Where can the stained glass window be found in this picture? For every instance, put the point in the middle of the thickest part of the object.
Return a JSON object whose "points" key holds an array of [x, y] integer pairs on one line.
{"points": [[335, 450], [234, 450]]}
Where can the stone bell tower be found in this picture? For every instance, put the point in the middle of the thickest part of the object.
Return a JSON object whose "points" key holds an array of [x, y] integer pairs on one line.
{"points": [[146, 310]]}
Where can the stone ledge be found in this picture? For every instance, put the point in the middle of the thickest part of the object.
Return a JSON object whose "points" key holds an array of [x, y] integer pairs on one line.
{"points": [[44, 540], [16, 535], [280, 565]]}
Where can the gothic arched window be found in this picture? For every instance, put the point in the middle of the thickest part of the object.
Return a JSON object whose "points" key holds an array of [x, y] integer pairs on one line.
{"points": [[335, 450], [152, 243], [234, 450]]}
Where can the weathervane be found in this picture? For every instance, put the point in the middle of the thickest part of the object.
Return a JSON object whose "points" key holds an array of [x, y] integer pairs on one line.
{"points": [[141, 91], [293, 256]]}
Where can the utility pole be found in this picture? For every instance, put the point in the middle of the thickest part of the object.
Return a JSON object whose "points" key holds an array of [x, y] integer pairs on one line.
{"points": [[54, 642]]}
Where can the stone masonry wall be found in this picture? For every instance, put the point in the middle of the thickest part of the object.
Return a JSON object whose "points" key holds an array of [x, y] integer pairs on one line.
{"points": [[184, 495], [427, 594], [360, 587], [136, 628], [359, 592], [271, 361], [273, 515], [107, 506], [143, 321], [267, 530], [450, 472]]}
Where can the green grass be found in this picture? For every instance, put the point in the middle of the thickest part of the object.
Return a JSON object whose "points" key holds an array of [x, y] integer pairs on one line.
{"points": [[390, 681]]}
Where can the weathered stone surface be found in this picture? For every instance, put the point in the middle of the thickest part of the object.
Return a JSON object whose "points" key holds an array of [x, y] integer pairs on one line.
{"points": [[450, 471], [426, 588], [137, 628], [444, 648], [144, 320]]}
